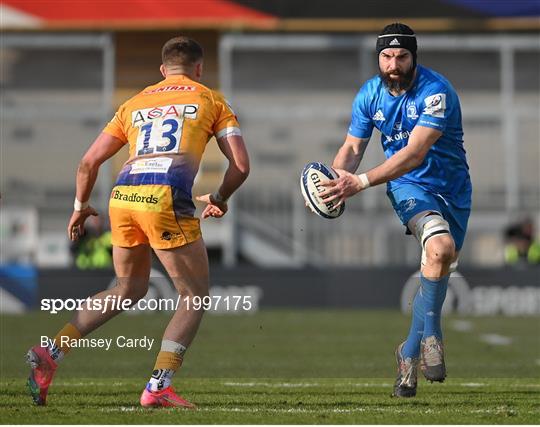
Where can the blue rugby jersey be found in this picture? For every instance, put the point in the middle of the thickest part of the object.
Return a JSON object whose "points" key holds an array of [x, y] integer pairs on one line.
{"points": [[431, 102]]}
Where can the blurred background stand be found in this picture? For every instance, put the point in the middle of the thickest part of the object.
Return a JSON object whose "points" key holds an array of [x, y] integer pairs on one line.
{"points": [[291, 70]]}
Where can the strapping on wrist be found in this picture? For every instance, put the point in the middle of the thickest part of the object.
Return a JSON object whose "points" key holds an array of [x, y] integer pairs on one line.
{"points": [[219, 198], [79, 206], [364, 181]]}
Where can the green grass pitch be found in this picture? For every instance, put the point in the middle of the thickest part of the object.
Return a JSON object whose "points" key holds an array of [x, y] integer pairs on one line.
{"points": [[282, 366]]}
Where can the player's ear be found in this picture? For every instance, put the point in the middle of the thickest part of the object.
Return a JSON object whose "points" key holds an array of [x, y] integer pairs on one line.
{"points": [[163, 70], [198, 69]]}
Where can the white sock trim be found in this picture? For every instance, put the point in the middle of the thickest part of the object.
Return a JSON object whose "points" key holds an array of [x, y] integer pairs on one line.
{"points": [[161, 379], [173, 347], [55, 352]]}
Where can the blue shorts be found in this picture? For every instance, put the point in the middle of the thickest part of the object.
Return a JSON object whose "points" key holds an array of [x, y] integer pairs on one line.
{"points": [[410, 199]]}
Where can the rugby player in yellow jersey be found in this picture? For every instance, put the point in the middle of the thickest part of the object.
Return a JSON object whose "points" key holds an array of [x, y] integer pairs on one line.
{"points": [[167, 127]]}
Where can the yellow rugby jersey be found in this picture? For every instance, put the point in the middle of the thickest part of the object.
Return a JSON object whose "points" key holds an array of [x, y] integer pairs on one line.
{"points": [[167, 126]]}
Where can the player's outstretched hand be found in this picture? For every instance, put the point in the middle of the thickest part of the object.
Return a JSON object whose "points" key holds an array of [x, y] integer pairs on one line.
{"points": [[213, 208], [76, 224], [346, 185]]}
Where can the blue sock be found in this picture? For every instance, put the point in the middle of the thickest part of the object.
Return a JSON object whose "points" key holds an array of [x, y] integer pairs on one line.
{"points": [[434, 293], [411, 348]]}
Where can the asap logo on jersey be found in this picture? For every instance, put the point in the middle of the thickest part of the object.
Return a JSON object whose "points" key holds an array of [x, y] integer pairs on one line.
{"points": [[141, 117], [160, 128]]}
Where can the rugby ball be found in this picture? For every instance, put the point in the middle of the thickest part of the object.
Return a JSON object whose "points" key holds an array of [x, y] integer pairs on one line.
{"points": [[310, 184]]}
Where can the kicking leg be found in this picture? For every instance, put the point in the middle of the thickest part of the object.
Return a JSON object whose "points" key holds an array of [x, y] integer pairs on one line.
{"points": [[438, 254], [188, 268], [438, 251]]}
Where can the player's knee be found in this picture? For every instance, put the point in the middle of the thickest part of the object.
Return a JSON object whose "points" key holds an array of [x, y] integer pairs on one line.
{"points": [[137, 295], [440, 250], [199, 292], [192, 286], [133, 291]]}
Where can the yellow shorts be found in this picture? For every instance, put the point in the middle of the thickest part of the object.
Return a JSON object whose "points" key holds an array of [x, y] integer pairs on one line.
{"points": [[144, 214]]}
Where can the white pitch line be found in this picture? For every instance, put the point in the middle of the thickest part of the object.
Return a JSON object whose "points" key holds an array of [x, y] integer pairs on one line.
{"points": [[300, 385], [371, 384], [93, 383], [125, 409], [266, 384], [473, 384], [495, 339], [497, 410], [462, 325], [257, 410]]}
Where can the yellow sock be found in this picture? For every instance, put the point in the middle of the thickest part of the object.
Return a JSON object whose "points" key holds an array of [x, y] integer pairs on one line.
{"points": [[168, 360], [63, 338]]}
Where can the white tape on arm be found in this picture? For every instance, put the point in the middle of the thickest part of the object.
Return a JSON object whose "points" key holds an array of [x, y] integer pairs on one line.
{"points": [[232, 131], [79, 206], [364, 181]]}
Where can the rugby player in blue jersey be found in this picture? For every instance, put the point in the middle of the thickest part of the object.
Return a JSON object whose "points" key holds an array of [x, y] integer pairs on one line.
{"points": [[418, 114]]}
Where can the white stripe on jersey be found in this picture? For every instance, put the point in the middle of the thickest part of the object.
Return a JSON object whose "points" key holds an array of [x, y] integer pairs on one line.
{"points": [[232, 131]]}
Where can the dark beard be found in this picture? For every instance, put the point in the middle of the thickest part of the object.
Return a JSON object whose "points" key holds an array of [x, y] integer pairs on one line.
{"points": [[403, 83]]}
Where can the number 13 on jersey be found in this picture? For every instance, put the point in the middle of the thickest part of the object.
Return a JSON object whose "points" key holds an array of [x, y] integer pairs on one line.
{"points": [[160, 128]]}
